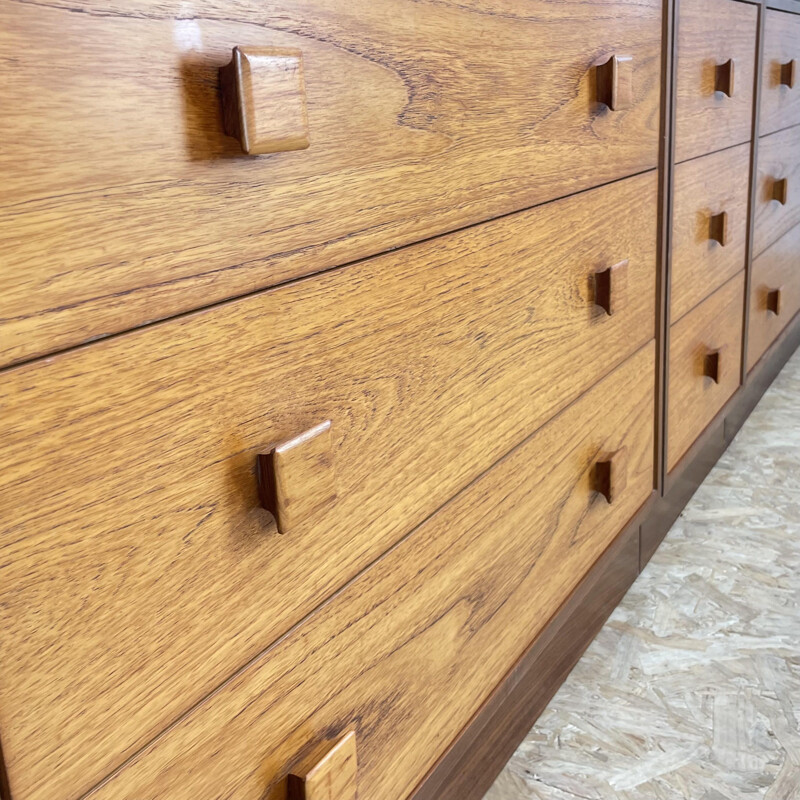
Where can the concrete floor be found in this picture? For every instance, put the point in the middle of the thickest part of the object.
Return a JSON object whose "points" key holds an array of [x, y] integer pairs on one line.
{"points": [[692, 689]]}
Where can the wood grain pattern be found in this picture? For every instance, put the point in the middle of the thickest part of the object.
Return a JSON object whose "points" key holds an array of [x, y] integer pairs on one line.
{"points": [[264, 100], [703, 188], [130, 204], [712, 329], [297, 478], [431, 362], [409, 651], [778, 160], [776, 268], [711, 33], [333, 777], [780, 98]]}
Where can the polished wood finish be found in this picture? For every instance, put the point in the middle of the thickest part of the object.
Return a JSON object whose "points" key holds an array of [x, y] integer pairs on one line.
{"points": [[709, 228], [615, 83], [333, 777], [297, 479], [777, 201], [470, 764], [780, 101], [264, 100], [713, 35], [407, 653], [611, 288], [131, 204], [431, 363], [774, 294], [704, 365]]}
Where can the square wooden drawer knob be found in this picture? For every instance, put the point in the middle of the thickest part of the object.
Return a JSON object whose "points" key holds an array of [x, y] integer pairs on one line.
{"points": [[611, 474], [718, 228], [775, 301], [610, 287], [789, 74], [334, 777], [264, 99], [711, 365], [780, 190], [724, 78], [615, 82], [296, 479]]}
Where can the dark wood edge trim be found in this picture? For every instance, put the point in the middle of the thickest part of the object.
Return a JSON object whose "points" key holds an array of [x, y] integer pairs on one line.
{"points": [[792, 6], [751, 200], [472, 762], [666, 181], [5, 788], [692, 469]]}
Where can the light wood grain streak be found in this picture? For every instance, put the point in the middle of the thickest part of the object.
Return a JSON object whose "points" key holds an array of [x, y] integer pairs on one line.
{"points": [[137, 568], [409, 650], [710, 32], [778, 266], [703, 187], [126, 203], [694, 400], [780, 105], [778, 157]]}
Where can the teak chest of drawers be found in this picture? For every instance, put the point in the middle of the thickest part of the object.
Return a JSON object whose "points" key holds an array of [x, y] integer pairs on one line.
{"points": [[353, 360]]}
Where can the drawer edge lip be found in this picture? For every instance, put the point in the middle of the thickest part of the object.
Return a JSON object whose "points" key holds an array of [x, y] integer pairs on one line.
{"points": [[791, 6]]}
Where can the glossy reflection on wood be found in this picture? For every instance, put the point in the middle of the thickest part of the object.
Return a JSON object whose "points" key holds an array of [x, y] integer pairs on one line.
{"points": [[130, 204], [431, 363], [406, 653]]}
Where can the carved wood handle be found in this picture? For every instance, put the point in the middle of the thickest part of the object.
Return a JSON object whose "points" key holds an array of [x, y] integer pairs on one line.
{"points": [[718, 228], [334, 777], [775, 301], [724, 78], [611, 474], [611, 287], [780, 190], [711, 365], [615, 82], [264, 99], [296, 479], [789, 73]]}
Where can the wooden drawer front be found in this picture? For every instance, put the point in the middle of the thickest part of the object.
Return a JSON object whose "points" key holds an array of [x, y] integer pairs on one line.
{"points": [[778, 189], [128, 203], [407, 653], [780, 76], [774, 294], [710, 34], [128, 487], [699, 382], [709, 225]]}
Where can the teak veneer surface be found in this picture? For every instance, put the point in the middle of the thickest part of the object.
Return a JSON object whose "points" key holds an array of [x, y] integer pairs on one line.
{"points": [[703, 187], [778, 158], [694, 399], [123, 202], [137, 569], [778, 267], [710, 33], [407, 652], [780, 104]]}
